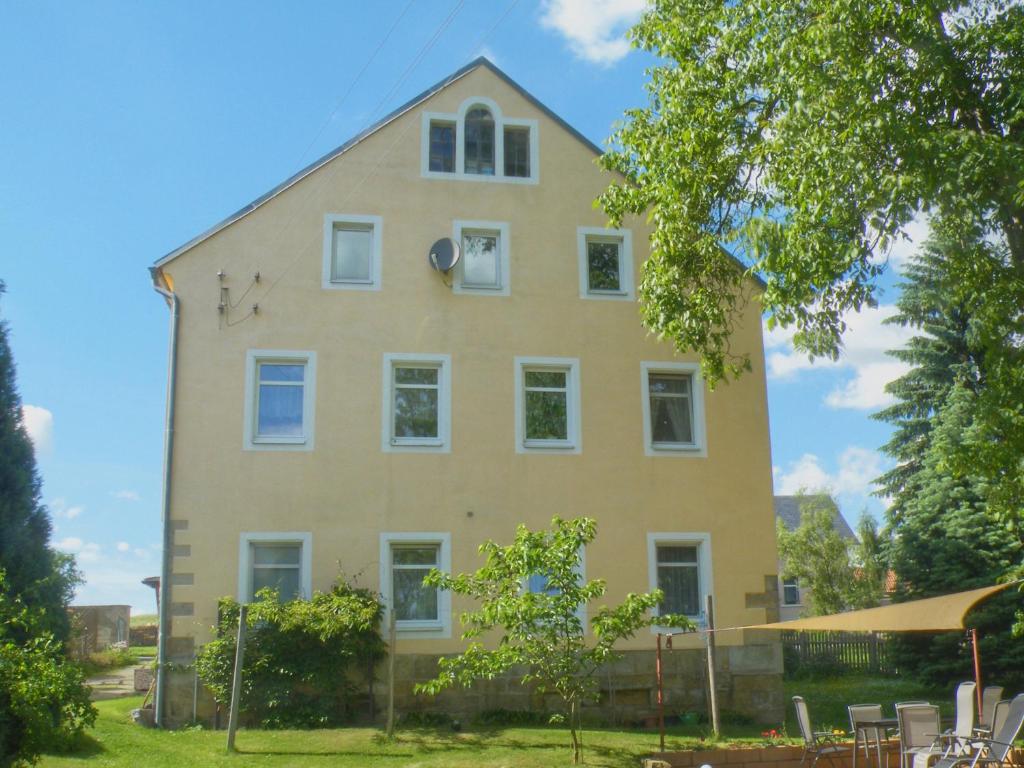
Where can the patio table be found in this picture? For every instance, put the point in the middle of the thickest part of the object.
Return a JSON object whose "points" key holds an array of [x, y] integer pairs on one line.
{"points": [[881, 727]]}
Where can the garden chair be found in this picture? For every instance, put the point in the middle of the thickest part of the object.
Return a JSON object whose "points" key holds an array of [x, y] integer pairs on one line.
{"points": [[958, 738], [994, 751], [919, 728], [860, 713], [990, 696], [817, 743]]}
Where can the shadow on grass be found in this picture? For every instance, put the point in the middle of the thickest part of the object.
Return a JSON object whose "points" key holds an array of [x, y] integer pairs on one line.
{"points": [[83, 748], [326, 753]]}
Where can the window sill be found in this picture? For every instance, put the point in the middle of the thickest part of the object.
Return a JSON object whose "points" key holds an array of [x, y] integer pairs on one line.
{"points": [[548, 445], [351, 285], [608, 295], [452, 176], [676, 449]]}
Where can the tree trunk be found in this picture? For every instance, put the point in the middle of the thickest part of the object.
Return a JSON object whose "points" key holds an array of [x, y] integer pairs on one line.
{"points": [[577, 746]]}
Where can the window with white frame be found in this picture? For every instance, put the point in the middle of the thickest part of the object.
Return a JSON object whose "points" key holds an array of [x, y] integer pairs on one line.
{"points": [[791, 592], [680, 566], [673, 409], [279, 400], [352, 251], [478, 143], [547, 404], [406, 558], [483, 267], [540, 584], [606, 263], [278, 561], [417, 402]]}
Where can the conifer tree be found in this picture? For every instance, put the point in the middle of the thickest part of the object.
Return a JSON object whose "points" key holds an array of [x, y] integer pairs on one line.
{"points": [[42, 578]]}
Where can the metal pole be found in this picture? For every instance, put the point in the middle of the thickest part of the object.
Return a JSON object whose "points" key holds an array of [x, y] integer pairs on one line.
{"points": [[236, 682], [661, 696], [391, 676], [977, 667], [712, 693]]}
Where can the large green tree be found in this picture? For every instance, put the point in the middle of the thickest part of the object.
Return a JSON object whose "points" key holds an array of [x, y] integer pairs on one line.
{"points": [[801, 137], [943, 536], [42, 578]]}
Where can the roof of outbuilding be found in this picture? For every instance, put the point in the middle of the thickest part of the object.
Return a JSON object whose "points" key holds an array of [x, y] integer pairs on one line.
{"points": [[787, 509]]}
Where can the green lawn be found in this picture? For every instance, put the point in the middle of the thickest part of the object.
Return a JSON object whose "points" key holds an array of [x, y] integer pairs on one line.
{"points": [[139, 651], [116, 742], [143, 619]]}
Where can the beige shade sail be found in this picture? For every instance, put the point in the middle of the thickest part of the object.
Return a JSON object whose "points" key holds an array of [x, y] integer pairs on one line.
{"points": [[932, 614]]}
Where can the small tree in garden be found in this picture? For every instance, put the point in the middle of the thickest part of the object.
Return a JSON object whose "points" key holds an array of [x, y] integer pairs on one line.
{"points": [[531, 593], [299, 655]]}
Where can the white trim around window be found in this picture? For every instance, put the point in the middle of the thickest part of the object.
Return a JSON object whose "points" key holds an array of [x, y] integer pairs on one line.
{"points": [[374, 225], [702, 541], [252, 440], [499, 229], [245, 541], [570, 366], [458, 119], [623, 238], [442, 627], [698, 446], [439, 443]]}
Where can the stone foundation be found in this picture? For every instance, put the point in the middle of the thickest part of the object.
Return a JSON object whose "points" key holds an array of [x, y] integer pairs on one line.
{"points": [[749, 682]]}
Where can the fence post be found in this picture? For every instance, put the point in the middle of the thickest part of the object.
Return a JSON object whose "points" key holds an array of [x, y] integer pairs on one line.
{"points": [[391, 674], [236, 681], [712, 693]]}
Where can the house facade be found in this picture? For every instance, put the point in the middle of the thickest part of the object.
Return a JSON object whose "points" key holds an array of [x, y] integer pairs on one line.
{"points": [[339, 405]]}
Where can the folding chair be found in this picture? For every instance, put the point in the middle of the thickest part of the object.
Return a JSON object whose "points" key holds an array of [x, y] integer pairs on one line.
{"points": [[817, 743], [996, 750], [860, 713], [919, 729], [958, 738], [990, 696]]}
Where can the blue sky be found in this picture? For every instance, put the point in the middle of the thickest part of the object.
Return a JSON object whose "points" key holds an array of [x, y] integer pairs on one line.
{"points": [[128, 128]]}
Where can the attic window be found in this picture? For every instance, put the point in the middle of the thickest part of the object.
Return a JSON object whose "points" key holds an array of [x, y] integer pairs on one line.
{"points": [[478, 143]]}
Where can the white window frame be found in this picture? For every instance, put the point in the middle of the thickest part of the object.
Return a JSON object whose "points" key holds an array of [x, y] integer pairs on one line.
{"points": [[442, 628], [698, 448], [799, 593], [251, 441], [247, 538], [573, 444], [500, 123], [627, 291], [376, 226], [459, 226], [440, 444], [705, 583]]}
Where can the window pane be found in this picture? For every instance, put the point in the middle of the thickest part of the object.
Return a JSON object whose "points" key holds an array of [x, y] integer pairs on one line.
{"points": [[415, 413], [679, 585], [663, 383], [415, 555], [677, 554], [479, 142], [416, 375], [554, 379], [280, 411], [413, 601], [279, 372], [284, 580], [537, 584], [351, 253], [480, 260], [671, 420], [603, 266], [276, 554], [442, 147], [790, 592], [517, 152], [546, 416]]}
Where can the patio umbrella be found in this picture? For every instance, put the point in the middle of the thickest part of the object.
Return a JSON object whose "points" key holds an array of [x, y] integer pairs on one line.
{"points": [[932, 614]]}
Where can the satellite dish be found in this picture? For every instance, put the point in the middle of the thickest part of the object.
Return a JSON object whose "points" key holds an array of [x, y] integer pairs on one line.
{"points": [[444, 254]]}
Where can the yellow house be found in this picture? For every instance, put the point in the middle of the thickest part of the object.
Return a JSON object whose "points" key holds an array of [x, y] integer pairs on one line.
{"points": [[336, 402]]}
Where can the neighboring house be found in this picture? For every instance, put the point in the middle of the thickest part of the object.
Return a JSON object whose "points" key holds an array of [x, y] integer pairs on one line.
{"points": [[97, 627], [337, 404], [793, 597]]}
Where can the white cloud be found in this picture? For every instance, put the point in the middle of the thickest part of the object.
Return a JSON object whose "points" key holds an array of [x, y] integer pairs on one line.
{"points": [[902, 248], [594, 29], [84, 551], [865, 343], [39, 425], [123, 546], [853, 480], [125, 495], [61, 509]]}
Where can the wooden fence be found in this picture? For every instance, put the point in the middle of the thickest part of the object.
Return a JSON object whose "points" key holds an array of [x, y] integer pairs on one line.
{"points": [[846, 651]]}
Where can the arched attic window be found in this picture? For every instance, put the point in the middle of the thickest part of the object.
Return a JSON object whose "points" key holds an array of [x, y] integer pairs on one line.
{"points": [[479, 138]]}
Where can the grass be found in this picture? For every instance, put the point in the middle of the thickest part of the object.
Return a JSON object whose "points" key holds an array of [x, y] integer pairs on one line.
{"points": [[117, 742], [111, 658], [143, 620], [139, 651]]}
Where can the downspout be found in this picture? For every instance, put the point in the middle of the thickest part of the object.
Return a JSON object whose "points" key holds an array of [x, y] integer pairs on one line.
{"points": [[164, 618]]}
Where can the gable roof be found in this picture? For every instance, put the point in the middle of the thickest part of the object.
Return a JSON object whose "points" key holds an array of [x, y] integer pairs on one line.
{"points": [[481, 61], [787, 509]]}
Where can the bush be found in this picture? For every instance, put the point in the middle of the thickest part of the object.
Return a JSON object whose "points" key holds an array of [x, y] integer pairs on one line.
{"points": [[512, 718], [300, 656], [43, 700], [111, 658]]}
